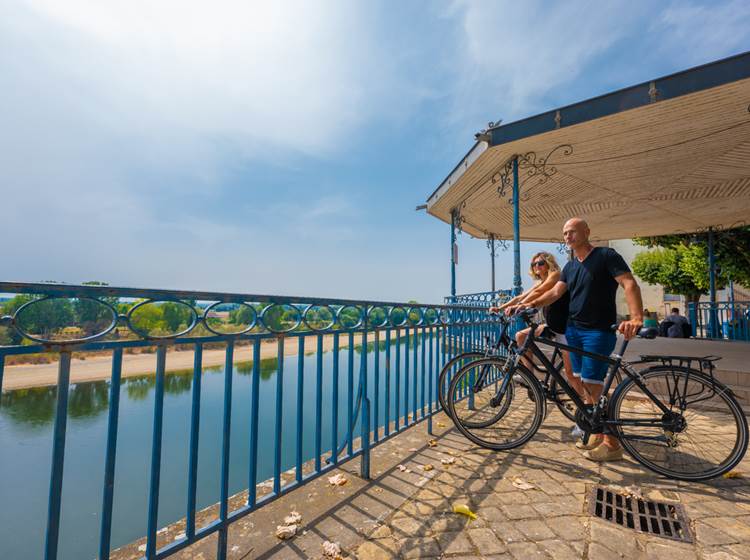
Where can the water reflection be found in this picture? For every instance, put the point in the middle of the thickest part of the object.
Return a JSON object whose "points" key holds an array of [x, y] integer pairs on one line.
{"points": [[88, 400], [35, 407]]}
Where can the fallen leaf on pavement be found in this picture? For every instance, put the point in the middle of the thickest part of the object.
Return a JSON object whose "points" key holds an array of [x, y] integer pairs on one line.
{"points": [[293, 518], [432, 443], [521, 484], [733, 474], [463, 509], [331, 549], [284, 532], [337, 480], [427, 467], [448, 461]]}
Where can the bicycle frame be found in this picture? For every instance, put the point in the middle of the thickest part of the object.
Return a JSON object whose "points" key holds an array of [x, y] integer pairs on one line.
{"points": [[592, 416]]}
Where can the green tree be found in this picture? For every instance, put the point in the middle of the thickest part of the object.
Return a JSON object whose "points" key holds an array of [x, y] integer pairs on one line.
{"points": [[673, 269], [731, 250], [176, 316]]}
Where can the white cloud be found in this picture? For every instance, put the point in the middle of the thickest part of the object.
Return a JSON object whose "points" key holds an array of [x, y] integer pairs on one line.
{"points": [[702, 33], [280, 73], [516, 53]]}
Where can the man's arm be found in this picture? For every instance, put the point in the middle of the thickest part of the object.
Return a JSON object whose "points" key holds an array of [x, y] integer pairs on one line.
{"points": [[550, 296], [635, 305]]}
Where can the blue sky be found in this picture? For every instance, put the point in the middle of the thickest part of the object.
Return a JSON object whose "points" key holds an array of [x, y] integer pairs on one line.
{"points": [[282, 147]]}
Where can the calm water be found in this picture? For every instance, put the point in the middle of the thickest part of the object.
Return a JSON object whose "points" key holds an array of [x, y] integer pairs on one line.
{"points": [[26, 422]]}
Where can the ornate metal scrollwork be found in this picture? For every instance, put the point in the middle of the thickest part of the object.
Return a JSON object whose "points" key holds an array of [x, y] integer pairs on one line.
{"points": [[458, 219], [504, 177], [501, 244], [562, 248], [530, 165], [540, 167]]}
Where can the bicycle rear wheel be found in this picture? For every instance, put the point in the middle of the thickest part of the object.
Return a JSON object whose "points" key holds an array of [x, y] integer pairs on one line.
{"points": [[506, 425], [704, 435], [449, 370]]}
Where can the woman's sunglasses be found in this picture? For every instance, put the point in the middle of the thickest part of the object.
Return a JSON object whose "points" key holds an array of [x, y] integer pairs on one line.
{"points": [[538, 263]]}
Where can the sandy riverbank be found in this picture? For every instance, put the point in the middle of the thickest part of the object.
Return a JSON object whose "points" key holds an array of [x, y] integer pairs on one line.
{"points": [[95, 368]]}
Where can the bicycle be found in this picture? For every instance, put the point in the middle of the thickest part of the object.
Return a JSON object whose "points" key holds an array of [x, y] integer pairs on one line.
{"points": [[675, 420], [552, 391]]}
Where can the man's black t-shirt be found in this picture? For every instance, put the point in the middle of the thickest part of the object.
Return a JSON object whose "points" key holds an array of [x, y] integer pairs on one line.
{"points": [[592, 287]]}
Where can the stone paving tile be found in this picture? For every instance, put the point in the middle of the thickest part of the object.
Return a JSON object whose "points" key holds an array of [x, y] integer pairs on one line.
{"points": [[663, 550], [559, 550], [527, 551], [535, 530], [486, 541], [454, 542]]}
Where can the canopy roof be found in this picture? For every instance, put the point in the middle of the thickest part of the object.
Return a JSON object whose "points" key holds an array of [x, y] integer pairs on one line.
{"points": [[666, 156]]}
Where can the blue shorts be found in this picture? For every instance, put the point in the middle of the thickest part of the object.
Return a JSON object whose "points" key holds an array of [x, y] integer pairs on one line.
{"points": [[590, 340]]}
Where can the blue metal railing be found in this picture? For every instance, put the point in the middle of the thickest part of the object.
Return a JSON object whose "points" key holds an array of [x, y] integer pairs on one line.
{"points": [[728, 320], [480, 299], [62, 319]]}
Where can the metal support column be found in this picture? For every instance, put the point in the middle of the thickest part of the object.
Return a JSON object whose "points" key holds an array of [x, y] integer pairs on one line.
{"points": [[491, 243], [453, 253], [516, 232], [713, 324]]}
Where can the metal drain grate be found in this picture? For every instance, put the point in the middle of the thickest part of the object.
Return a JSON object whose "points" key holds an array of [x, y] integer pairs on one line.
{"points": [[662, 519]]}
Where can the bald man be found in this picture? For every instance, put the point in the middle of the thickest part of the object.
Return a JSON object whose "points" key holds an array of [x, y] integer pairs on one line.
{"points": [[592, 278]]}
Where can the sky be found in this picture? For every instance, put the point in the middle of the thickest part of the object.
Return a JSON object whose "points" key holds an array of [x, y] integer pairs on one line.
{"points": [[282, 147]]}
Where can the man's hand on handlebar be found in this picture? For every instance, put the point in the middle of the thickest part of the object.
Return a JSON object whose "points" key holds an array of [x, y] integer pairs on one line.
{"points": [[630, 328]]}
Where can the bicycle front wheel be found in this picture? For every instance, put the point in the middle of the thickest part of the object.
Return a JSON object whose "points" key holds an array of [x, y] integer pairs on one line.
{"points": [[704, 434], [493, 421]]}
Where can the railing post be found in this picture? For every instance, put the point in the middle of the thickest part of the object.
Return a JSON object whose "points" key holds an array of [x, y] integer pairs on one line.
{"points": [[365, 463], [693, 313], [58, 458], [110, 454], [156, 439]]}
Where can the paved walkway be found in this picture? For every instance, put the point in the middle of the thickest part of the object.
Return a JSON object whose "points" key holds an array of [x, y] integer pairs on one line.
{"points": [[407, 511]]}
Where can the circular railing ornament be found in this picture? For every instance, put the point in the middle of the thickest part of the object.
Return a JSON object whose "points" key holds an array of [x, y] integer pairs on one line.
{"points": [[281, 317], [319, 317], [227, 318], [444, 316], [350, 317], [397, 316], [415, 316], [430, 316], [83, 320], [161, 319], [377, 317]]}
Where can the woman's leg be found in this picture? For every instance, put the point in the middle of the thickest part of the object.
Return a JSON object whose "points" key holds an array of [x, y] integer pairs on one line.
{"points": [[520, 339]]}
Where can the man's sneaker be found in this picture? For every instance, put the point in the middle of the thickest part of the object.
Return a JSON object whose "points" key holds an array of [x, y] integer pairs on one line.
{"points": [[604, 453], [576, 432], [594, 441]]}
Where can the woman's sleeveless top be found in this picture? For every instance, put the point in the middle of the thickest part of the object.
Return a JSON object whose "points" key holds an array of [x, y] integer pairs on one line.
{"points": [[556, 314]]}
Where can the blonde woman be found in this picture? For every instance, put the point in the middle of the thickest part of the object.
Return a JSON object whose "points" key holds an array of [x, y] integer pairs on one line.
{"points": [[546, 272]]}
